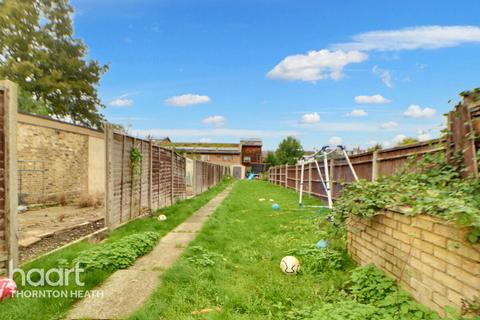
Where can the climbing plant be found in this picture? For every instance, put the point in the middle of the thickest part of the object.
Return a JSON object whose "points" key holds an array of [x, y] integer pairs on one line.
{"points": [[136, 159], [429, 185]]}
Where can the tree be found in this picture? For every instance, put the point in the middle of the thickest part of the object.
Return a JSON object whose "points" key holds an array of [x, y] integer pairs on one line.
{"points": [[289, 151], [38, 51], [271, 159], [407, 140]]}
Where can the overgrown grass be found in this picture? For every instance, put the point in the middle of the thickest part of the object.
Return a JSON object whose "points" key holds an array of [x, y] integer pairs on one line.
{"points": [[231, 270], [234, 264], [54, 308]]}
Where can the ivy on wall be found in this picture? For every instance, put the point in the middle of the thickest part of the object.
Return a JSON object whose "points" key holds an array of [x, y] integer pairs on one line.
{"points": [[427, 185]]}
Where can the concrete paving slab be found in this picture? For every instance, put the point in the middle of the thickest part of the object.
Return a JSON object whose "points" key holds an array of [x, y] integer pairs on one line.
{"points": [[126, 290]]}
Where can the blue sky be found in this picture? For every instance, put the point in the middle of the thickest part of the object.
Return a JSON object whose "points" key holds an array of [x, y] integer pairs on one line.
{"points": [[358, 72]]}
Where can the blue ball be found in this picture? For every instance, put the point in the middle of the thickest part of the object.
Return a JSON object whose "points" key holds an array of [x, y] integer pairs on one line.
{"points": [[275, 206], [322, 244]]}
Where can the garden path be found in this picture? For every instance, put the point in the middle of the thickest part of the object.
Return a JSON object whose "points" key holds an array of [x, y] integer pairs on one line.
{"points": [[126, 290]]}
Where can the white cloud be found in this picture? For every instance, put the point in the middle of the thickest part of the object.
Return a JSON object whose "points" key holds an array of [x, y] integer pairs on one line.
{"points": [[217, 121], [216, 132], [315, 65], [309, 118], [375, 99], [372, 143], [399, 138], [335, 140], [415, 111], [423, 135], [386, 144], [384, 75], [357, 113], [187, 100], [389, 125], [205, 140], [421, 37], [121, 102]]}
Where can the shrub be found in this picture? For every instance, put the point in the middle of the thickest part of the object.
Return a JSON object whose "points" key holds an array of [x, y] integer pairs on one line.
{"points": [[90, 200], [427, 186], [118, 255], [314, 260]]}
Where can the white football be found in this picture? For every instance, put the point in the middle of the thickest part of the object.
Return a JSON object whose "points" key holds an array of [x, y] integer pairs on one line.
{"points": [[290, 265], [162, 217]]}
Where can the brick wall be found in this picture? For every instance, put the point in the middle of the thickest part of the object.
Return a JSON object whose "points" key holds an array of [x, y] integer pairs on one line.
{"points": [[51, 163], [428, 256]]}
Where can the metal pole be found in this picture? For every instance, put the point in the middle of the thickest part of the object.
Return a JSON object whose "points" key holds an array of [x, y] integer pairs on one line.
{"points": [[327, 178], [350, 164]]}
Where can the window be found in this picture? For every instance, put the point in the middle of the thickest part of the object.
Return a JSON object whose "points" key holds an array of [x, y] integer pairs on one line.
{"points": [[247, 159], [227, 158]]}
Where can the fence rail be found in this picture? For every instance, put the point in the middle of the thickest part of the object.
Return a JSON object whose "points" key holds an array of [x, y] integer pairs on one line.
{"points": [[462, 139], [159, 181], [368, 166]]}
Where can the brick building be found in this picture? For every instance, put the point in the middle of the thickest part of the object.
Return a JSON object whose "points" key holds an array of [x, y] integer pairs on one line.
{"points": [[246, 153], [251, 152]]}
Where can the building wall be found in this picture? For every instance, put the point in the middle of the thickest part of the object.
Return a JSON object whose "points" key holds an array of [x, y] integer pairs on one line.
{"points": [[96, 165], [254, 152], [430, 257], [223, 159], [57, 159]]}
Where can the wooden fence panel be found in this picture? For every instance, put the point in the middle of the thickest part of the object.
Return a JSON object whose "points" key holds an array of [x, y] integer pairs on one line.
{"points": [[8, 178], [368, 166]]}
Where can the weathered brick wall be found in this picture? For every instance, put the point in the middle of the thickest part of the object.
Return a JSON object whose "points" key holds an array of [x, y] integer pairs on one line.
{"points": [[430, 257], [51, 163]]}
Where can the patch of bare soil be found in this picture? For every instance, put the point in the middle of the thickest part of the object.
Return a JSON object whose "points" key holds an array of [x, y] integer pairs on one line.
{"points": [[57, 239]]}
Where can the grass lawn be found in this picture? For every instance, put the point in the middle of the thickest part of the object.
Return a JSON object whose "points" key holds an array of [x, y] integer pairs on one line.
{"points": [[54, 308], [232, 269], [233, 266]]}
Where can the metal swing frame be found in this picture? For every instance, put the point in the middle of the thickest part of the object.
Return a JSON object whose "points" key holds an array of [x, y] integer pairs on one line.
{"points": [[323, 153]]}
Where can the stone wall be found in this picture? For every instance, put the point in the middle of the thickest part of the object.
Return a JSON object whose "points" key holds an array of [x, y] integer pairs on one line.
{"points": [[58, 160], [430, 257]]}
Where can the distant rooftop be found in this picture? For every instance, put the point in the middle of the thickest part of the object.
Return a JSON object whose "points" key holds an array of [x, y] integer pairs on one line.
{"points": [[251, 142]]}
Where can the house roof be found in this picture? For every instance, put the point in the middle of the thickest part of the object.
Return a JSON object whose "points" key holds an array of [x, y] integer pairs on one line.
{"points": [[209, 150], [251, 142]]}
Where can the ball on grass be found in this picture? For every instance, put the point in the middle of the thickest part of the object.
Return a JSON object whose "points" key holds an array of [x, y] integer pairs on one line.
{"points": [[7, 288], [275, 206], [290, 265], [322, 244], [162, 217]]}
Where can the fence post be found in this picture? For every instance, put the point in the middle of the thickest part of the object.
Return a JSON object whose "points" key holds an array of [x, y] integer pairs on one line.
{"points": [[172, 184], [310, 179], [296, 178], [150, 178], [332, 177], [194, 177], [375, 164], [108, 131], [286, 176], [10, 196]]}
